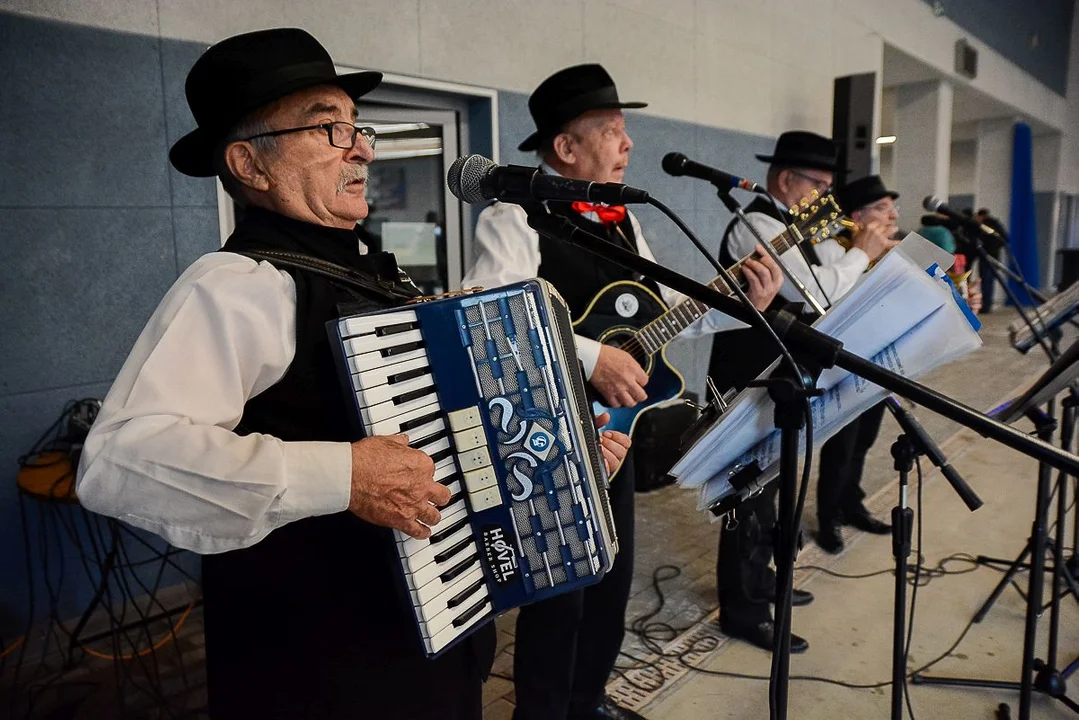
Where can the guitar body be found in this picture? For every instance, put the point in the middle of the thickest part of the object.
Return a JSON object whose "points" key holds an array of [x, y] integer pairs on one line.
{"points": [[615, 313]]}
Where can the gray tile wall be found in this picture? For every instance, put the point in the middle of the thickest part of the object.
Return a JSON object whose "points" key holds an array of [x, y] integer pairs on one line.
{"points": [[94, 227], [693, 200]]}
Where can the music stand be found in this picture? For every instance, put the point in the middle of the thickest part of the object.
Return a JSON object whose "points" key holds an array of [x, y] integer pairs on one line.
{"points": [[1050, 681]]}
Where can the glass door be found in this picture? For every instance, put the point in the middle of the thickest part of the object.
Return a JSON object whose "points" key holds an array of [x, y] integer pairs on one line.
{"points": [[412, 213]]}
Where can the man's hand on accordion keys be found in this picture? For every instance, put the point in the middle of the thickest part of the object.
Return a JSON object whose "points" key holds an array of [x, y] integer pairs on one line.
{"points": [[393, 485], [614, 444]]}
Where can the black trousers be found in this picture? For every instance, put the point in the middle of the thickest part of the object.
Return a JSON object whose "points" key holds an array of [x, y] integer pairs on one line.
{"points": [[842, 460], [566, 646], [744, 575]]}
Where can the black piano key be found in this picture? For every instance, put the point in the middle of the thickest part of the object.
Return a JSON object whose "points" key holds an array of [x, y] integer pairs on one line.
{"points": [[443, 534], [396, 328], [460, 597], [442, 455], [429, 440], [470, 613], [407, 375], [459, 569], [421, 420], [414, 395], [400, 349], [447, 554]]}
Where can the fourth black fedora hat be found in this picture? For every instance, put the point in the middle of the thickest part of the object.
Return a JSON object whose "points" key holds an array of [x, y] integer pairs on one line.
{"points": [[568, 94], [245, 72]]}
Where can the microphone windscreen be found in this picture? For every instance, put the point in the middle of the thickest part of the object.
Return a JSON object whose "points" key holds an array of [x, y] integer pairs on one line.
{"points": [[470, 178], [673, 163], [932, 202], [453, 177]]}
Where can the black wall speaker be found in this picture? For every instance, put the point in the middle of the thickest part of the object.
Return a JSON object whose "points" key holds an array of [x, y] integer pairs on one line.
{"points": [[852, 125]]}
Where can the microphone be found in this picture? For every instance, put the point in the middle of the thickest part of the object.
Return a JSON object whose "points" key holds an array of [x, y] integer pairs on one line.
{"points": [[932, 203], [476, 179], [677, 164]]}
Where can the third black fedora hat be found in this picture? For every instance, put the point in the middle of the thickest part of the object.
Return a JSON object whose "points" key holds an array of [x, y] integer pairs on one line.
{"points": [[801, 149], [246, 72], [568, 94]]}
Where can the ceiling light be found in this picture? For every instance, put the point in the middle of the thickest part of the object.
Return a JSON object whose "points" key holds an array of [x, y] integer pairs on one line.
{"points": [[886, 140]]}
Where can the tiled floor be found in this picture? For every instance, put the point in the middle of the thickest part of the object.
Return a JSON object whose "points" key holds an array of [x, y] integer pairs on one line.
{"points": [[849, 624]]}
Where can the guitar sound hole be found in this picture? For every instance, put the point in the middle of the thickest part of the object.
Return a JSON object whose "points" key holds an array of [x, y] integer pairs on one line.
{"points": [[618, 337]]}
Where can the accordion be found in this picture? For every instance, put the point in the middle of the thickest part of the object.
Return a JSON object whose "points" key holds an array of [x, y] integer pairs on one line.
{"points": [[489, 385]]}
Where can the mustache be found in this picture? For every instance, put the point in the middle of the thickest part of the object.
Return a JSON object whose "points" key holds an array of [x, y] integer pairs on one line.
{"points": [[350, 174]]}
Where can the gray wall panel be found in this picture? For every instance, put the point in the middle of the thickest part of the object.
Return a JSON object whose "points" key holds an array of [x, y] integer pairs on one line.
{"points": [[176, 61], [83, 282], [81, 115], [197, 233]]}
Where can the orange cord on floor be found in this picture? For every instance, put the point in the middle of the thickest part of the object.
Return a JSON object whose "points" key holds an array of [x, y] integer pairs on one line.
{"points": [[13, 647], [141, 653]]}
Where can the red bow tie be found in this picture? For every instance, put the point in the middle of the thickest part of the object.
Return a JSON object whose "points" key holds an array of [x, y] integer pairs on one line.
{"points": [[608, 214]]}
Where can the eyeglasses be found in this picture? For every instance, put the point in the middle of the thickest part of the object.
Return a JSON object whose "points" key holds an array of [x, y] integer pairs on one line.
{"points": [[882, 208], [818, 183], [340, 134]]}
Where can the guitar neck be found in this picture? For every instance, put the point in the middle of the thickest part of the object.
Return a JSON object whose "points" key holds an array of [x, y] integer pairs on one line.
{"points": [[654, 336]]}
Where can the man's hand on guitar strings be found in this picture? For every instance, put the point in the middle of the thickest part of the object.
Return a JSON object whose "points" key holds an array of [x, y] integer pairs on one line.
{"points": [[764, 278], [614, 444], [619, 378]]}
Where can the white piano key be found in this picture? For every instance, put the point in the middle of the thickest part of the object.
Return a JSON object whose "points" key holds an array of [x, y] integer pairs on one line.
{"points": [[464, 418], [375, 360], [465, 595], [426, 555], [386, 393], [427, 594], [431, 570], [408, 545], [393, 425], [485, 499], [451, 633], [446, 466], [366, 324], [436, 613], [382, 375], [387, 411], [377, 343]]}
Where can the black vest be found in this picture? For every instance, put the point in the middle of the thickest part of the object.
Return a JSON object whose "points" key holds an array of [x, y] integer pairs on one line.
{"points": [[578, 274], [765, 207], [322, 591], [739, 356]]}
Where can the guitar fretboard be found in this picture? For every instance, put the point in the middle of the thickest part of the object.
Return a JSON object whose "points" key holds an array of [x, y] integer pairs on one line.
{"points": [[655, 335]]}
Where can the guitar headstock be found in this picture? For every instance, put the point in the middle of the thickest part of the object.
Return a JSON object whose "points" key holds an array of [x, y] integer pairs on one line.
{"points": [[818, 217]]}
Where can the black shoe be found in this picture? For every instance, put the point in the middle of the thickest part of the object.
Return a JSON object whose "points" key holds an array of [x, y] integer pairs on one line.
{"points": [[864, 521], [798, 597], [763, 636], [830, 538], [609, 710]]}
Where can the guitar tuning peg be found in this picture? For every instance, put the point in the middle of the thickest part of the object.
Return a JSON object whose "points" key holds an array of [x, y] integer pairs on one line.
{"points": [[803, 217], [815, 194]]}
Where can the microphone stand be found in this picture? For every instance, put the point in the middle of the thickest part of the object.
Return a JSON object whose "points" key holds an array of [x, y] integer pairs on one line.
{"points": [[734, 207], [911, 443], [811, 347]]}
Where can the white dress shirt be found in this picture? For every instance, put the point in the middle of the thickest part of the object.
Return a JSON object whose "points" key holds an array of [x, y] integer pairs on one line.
{"points": [[508, 251], [837, 273], [162, 454]]}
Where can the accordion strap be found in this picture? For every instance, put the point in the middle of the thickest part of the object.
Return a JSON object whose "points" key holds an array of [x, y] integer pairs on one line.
{"points": [[368, 284]]}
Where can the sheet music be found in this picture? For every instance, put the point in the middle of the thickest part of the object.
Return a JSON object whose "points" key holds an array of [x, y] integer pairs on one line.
{"points": [[903, 314]]}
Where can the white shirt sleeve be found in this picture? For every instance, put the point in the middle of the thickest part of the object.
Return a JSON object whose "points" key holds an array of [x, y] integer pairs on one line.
{"points": [[838, 275], [507, 251], [711, 322], [162, 454]]}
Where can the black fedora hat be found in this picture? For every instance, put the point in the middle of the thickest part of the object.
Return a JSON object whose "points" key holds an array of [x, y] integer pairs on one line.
{"points": [[569, 94], [245, 72], [801, 149], [857, 194]]}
